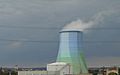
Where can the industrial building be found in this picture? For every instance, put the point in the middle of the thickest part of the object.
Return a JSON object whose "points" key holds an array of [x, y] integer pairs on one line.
{"points": [[58, 68], [70, 59]]}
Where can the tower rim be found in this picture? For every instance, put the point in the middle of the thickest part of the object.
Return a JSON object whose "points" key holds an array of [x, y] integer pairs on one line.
{"points": [[69, 31]]}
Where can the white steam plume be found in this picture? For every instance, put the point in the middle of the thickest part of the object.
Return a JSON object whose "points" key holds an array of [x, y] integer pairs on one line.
{"points": [[80, 25]]}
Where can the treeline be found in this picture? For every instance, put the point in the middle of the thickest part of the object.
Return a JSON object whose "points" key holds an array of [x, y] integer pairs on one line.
{"points": [[7, 72]]}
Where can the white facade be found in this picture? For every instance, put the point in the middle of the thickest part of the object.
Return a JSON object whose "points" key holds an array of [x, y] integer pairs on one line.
{"points": [[60, 68], [55, 66], [32, 73]]}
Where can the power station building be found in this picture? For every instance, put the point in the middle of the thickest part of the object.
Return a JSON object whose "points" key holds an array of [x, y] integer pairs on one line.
{"points": [[70, 59]]}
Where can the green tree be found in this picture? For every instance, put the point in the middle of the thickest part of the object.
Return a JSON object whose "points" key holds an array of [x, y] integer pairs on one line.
{"points": [[13, 73], [112, 73]]}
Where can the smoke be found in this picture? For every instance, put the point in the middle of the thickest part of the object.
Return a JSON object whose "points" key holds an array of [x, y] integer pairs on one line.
{"points": [[80, 25]]}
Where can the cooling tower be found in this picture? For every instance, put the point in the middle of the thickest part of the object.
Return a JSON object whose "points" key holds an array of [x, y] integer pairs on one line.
{"points": [[70, 51]]}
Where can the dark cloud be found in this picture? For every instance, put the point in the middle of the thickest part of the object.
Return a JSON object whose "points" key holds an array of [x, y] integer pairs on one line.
{"points": [[43, 19]]}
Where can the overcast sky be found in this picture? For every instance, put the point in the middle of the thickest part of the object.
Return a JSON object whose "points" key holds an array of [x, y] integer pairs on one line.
{"points": [[29, 30]]}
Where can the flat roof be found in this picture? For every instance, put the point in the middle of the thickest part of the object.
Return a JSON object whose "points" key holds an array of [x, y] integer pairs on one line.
{"points": [[58, 63]]}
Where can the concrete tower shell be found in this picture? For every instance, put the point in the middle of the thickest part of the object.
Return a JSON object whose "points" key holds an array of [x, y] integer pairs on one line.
{"points": [[70, 51]]}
